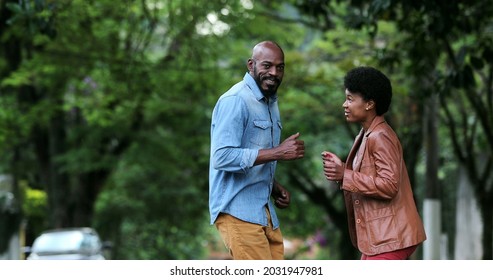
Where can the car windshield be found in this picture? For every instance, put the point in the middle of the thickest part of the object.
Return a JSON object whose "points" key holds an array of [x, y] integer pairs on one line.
{"points": [[59, 241]]}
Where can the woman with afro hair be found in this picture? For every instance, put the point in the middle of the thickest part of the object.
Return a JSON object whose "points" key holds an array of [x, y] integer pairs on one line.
{"points": [[383, 221]]}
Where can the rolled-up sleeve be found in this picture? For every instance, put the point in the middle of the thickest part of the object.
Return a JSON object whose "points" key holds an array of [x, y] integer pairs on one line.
{"points": [[229, 124]]}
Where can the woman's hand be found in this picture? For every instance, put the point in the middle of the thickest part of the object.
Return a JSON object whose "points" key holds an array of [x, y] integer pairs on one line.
{"points": [[333, 167]]}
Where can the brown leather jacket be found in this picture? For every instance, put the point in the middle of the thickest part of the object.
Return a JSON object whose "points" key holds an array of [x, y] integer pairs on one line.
{"points": [[382, 213]]}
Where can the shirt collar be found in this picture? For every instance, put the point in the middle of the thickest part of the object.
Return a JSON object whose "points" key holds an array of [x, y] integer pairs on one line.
{"points": [[248, 79]]}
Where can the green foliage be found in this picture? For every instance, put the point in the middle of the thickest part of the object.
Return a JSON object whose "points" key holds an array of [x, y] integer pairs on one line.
{"points": [[119, 103], [35, 210], [35, 203], [106, 106], [447, 46]]}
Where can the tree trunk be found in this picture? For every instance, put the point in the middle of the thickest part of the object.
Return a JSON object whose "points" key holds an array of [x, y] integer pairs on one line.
{"points": [[59, 186], [468, 222], [487, 219], [432, 213]]}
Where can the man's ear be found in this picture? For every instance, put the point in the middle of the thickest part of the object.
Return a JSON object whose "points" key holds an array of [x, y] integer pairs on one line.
{"points": [[250, 65]]}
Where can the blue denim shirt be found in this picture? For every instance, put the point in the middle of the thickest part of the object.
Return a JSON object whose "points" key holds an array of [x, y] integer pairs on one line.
{"points": [[243, 122]]}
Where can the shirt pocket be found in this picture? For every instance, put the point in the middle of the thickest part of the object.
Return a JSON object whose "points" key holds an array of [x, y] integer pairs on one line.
{"points": [[262, 133]]}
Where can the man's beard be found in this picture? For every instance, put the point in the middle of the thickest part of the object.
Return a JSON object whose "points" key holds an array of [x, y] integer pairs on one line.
{"points": [[271, 89]]}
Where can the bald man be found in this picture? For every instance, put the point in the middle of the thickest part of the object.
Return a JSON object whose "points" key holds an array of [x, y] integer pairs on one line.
{"points": [[245, 147]]}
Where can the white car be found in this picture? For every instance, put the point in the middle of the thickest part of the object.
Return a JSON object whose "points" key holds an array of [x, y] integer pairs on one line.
{"points": [[67, 244]]}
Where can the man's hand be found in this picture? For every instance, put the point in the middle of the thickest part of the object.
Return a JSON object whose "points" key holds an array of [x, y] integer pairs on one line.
{"points": [[291, 148], [282, 197]]}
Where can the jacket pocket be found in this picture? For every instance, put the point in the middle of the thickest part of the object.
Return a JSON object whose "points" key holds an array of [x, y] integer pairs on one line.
{"points": [[381, 226]]}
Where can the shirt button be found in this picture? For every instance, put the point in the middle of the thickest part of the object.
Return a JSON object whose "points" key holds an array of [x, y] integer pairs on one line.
{"points": [[356, 202], [358, 221]]}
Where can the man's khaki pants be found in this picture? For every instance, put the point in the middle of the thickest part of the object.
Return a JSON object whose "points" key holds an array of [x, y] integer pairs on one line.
{"points": [[247, 241]]}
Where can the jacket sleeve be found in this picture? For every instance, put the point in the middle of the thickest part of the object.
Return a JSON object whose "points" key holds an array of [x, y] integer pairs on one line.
{"points": [[378, 175]]}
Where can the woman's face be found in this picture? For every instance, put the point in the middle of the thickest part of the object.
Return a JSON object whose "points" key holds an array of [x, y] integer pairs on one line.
{"points": [[356, 109]]}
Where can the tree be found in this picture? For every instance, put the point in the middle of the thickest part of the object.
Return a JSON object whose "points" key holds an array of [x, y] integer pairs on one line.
{"points": [[113, 116], [450, 43], [88, 86], [106, 106], [332, 51]]}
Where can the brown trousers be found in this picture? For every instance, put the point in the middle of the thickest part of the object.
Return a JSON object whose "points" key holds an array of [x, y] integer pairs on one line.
{"points": [[247, 241]]}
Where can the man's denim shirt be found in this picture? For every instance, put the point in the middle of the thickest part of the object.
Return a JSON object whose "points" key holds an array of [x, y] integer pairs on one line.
{"points": [[243, 122]]}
